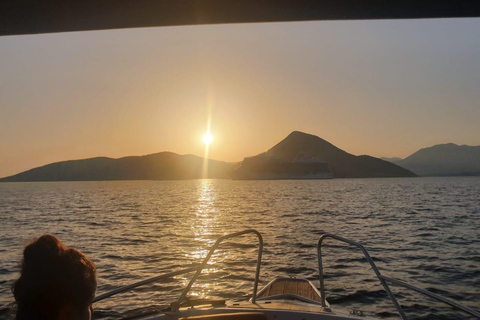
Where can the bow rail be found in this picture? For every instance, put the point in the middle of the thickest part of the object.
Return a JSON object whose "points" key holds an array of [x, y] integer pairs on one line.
{"points": [[176, 305], [383, 280], [144, 282], [198, 269]]}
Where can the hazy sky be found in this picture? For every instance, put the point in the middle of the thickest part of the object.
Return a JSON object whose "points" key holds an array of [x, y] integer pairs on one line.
{"points": [[383, 88]]}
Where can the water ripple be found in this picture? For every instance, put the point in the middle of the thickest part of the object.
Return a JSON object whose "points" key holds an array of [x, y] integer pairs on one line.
{"points": [[424, 231]]}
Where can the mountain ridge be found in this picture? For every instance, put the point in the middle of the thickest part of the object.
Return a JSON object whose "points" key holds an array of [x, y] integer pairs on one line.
{"points": [[391, 159], [342, 163], [447, 159], [163, 165], [168, 165]]}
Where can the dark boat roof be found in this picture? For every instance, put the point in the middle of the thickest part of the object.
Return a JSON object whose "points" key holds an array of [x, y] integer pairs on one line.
{"points": [[47, 16]]}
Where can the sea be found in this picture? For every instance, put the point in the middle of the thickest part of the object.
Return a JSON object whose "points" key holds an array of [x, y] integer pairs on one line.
{"points": [[424, 231]]}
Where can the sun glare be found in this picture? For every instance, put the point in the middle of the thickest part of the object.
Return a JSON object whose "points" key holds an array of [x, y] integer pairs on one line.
{"points": [[207, 139]]}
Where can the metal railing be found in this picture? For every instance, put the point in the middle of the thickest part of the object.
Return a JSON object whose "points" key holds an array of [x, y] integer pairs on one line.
{"points": [[176, 305], [383, 280], [198, 269], [144, 282]]}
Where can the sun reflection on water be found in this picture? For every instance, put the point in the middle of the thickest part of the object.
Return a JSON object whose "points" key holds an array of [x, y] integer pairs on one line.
{"points": [[233, 263], [204, 224]]}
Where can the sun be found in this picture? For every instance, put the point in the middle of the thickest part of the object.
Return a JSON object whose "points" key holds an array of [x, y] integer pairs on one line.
{"points": [[207, 139]]}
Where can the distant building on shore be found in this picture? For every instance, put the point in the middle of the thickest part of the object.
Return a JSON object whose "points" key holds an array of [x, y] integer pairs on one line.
{"points": [[265, 167]]}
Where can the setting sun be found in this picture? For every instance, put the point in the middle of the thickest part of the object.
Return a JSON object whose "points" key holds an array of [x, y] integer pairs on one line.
{"points": [[207, 139]]}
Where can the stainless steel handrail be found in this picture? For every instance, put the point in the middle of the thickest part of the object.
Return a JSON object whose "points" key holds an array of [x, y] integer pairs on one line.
{"points": [[198, 268], [176, 305], [143, 282], [383, 280], [434, 296], [367, 256]]}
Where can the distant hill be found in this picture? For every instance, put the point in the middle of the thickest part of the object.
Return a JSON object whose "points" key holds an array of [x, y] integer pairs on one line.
{"points": [[392, 160], [342, 164], [158, 166], [172, 166], [444, 160]]}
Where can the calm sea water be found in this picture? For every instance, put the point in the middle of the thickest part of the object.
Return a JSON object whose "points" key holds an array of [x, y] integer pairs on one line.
{"points": [[425, 231]]}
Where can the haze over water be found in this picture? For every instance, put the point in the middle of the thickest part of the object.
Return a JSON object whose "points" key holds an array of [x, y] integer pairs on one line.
{"points": [[425, 231]]}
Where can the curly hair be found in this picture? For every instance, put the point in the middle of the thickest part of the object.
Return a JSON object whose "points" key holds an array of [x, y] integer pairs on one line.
{"points": [[52, 277]]}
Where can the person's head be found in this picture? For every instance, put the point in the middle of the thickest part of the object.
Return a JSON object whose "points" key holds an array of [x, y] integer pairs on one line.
{"points": [[56, 282]]}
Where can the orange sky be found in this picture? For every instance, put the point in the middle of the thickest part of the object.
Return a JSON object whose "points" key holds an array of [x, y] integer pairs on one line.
{"points": [[384, 88]]}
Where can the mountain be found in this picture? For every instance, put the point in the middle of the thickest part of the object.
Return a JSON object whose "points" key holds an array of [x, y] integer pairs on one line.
{"points": [[392, 160], [172, 166], [444, 160], [342, 164], [158, 166]]}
